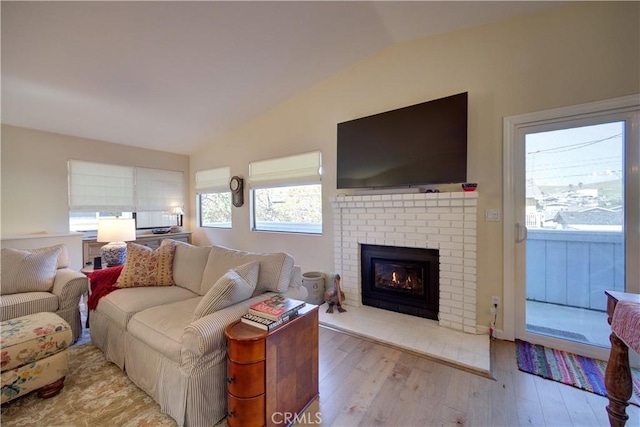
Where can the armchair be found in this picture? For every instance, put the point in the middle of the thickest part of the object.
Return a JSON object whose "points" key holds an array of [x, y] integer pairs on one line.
{"points": [[40, 280]]}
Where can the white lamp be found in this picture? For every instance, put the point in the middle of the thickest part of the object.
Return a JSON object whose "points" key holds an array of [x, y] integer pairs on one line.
{"points": [[178, 212], [116, 232]]}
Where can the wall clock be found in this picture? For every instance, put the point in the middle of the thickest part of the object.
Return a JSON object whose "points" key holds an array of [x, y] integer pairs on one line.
{"points": [[236, 185]]}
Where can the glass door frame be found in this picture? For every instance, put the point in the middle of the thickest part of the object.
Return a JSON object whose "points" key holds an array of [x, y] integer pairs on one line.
{"points": [[514, 233]]}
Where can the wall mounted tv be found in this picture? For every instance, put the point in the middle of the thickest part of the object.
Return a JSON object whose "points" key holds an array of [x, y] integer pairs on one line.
{"points": [[412, 146]]}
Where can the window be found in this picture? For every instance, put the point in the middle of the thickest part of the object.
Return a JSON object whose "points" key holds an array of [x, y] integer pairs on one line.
{"points": [[98, 191], [88, 221], [158, 192], [214, 197], [286, 194]]}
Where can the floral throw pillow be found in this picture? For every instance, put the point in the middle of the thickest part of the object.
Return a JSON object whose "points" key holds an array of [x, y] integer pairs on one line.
{"points": [[147, 267]]}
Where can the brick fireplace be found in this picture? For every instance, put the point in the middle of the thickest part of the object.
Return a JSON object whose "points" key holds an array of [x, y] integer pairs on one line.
{"points": [[445, 222]]}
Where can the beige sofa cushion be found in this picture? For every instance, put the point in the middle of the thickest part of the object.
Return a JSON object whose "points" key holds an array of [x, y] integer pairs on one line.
{"points": [[236, 285], [18, 305], [28, 270], [275, 273], [162, 327], [188, 264], [122, 304]]}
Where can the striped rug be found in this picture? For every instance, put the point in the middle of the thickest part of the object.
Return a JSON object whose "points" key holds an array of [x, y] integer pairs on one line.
{"points": [[568, 368]]}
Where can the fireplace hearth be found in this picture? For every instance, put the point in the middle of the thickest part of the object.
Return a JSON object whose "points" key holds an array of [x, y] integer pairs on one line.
{"points": [[405, 280]]}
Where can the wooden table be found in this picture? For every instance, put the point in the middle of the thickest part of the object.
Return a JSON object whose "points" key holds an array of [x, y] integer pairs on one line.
{"points": [[618, 373], [272, 376]]}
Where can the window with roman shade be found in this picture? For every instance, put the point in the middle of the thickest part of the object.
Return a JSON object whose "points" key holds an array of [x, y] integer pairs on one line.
{"points": [[214, 197], [158, 190], [298, 169], [286, 193], [100, 187], [98, 190]]}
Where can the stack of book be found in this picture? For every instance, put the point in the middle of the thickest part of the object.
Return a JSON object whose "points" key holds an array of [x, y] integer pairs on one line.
{"points": [[272, 312]]}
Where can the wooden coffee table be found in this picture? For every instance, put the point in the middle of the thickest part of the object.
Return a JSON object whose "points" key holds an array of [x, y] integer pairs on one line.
{"points": [[272, 376]]}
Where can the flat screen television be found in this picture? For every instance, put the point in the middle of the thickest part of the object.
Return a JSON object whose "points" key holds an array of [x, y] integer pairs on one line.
{"points": [[412, 146]]}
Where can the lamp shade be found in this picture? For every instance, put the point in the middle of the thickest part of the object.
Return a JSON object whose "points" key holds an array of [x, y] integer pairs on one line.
{"points": [[116, 230], [178, 211]]}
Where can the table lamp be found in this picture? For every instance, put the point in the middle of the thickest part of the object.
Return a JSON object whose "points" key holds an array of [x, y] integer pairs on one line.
{"points": [[178, 212], [116, 232]]}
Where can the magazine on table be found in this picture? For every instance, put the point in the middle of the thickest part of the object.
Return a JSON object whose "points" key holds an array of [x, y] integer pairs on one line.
{"points": [[264, 323], [276, 307]]}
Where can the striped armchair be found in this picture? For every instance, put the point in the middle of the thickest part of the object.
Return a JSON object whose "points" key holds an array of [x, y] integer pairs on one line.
{"points": [[40, 280]]}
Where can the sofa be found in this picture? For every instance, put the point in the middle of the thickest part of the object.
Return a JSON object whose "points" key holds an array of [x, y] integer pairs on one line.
{"points": [[169, 337], [40, 280]]}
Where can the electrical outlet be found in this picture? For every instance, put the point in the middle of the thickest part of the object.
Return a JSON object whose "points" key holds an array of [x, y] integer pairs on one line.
{"points": [[495, 301]]}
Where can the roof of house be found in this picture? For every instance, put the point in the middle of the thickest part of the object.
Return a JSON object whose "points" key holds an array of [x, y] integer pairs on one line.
{"points": [[592, 216]]}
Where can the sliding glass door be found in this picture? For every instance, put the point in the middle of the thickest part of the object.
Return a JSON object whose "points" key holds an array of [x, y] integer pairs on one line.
{"points": [[575, 218]]}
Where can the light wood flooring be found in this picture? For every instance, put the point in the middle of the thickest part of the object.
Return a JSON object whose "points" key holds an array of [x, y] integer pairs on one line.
{"points": [[363, 383]]}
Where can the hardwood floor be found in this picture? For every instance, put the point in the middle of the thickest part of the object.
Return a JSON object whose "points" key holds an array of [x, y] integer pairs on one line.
{"points": [[363, 383]]}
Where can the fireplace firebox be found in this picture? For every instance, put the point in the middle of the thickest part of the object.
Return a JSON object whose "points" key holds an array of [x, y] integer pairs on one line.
{"points": [[405, 280]]}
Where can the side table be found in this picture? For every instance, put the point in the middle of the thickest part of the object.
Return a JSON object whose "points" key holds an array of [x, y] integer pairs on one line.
{"points": [[86, 270], [272, 376], [617, 378]]}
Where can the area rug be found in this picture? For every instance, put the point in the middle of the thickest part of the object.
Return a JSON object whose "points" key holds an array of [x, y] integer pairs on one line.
{"points": [[96, 393], [568, 368]]}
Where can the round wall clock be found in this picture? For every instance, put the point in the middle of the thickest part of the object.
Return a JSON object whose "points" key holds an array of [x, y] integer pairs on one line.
{"points": [[236, 185]]}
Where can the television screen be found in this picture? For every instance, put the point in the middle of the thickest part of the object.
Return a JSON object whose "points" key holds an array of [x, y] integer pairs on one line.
{"points": [[417, 145]]}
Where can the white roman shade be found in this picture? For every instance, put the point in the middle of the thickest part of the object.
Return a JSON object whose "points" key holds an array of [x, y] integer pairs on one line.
{"points": [[285, 171], [158, 190], [98, 187], [213, 180]]}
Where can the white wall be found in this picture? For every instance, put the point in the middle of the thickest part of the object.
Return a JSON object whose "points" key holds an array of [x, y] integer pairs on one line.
{"points": [[34, 175], [569, 55]]}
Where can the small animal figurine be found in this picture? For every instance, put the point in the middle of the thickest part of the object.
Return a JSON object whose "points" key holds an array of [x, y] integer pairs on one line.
{"points": [[334, 296]]}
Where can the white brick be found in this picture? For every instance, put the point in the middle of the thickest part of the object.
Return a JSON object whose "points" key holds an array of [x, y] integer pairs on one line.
{"points": [[428, 216], [451, 231], [439, 238], [439, 224], [395, 236], [405, 216]]}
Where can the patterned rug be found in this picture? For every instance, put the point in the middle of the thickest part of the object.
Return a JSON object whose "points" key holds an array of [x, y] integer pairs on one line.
{"points": [[95, 393], [568, 368]]}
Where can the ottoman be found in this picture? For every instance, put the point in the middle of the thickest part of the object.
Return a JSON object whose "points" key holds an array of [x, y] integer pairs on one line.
{"points": [[34, 355]]}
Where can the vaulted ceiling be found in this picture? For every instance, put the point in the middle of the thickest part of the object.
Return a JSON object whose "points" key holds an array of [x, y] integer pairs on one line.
{"points": [[172, 76]]}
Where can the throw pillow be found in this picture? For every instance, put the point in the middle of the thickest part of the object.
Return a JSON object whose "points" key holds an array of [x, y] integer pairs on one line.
{"points": [[276, 269], [188, 264], [28, 270], [234, 286], [147, 267]]}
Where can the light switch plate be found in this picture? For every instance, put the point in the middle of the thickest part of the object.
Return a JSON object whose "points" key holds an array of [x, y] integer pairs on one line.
{"points": [[492, 215]]}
